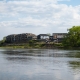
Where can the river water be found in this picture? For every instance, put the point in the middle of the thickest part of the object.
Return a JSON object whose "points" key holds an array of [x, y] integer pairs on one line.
{"points": [[39, 64]]}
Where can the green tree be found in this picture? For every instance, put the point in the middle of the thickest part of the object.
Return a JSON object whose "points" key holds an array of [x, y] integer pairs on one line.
{"points": [[73, 37], [31, 42], [1, 42], [49, 34]]}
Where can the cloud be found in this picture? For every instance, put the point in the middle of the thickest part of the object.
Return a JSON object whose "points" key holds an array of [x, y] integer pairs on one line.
{"points": [[37, 16]]}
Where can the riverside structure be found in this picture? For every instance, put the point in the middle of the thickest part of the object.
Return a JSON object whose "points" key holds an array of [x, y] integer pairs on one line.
{"points": [[24, 37]]}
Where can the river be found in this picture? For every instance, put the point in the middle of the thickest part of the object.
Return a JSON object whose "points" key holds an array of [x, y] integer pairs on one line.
{"points": [[39, 64]]}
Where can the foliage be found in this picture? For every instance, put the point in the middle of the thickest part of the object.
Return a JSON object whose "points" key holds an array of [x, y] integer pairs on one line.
{"points": [[49, 34], [72, 39], [58, 44], [2, 42], [31, 43]]}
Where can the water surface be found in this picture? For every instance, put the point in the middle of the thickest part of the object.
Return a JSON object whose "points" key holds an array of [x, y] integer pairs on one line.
{"points": [[39, 64]]}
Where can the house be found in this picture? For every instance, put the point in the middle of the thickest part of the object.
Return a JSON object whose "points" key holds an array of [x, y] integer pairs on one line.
{"points": [[43, 36], [10, 38], [31, 36], [20, 37], [25, 37], [58, 37]]}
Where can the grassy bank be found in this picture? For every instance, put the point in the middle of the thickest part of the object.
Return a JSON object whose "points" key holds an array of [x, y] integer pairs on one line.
{"points": [[33, 45], [37, 44]]}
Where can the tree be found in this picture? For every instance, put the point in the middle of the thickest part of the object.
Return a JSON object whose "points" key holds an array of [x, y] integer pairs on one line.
{"points": [[31, 42], [49, 34], [1, 42], [73, 37]]}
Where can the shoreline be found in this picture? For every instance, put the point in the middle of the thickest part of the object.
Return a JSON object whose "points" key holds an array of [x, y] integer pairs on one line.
{"points": [[31, 47], [39, 45]]}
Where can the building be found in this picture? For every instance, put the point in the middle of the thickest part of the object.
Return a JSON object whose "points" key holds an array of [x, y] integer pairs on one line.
{"points": [[31, 36], [24, 37], [10, 38], [43, 36], [20, 37], [58, 37]]}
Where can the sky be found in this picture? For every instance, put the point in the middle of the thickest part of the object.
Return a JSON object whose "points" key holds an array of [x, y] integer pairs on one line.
{"points": [[38, 16]]}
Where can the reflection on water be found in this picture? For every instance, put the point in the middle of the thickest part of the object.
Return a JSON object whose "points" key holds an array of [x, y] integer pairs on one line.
{"points": [[39, 64], [75, 64]]}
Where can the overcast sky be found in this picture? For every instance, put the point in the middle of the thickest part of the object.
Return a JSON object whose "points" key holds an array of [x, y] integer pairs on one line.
{"points": [[38, 16]]}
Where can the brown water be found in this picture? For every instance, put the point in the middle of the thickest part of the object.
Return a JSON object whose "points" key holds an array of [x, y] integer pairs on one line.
{"points": [[39, 64]]}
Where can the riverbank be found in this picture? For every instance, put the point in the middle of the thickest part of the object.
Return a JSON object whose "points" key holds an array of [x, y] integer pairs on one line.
{"points": [[31, 45], [38, 45]]}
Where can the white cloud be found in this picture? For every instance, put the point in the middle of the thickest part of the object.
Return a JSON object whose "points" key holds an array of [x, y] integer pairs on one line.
{"points": [[37, 16]]}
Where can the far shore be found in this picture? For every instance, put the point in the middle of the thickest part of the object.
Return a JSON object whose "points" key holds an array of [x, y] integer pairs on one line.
{"points": [[39, 46]]}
